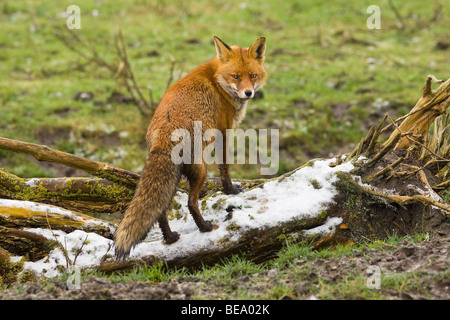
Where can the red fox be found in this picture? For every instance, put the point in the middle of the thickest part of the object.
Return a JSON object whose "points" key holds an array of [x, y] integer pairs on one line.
{"points": [[215, 93]]}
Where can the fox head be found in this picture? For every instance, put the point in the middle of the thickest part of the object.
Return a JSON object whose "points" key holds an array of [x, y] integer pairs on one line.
{"points": [[240, 71]]}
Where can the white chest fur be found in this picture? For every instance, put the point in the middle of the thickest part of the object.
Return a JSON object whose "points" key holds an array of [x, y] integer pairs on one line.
{"points": [[239, 114]]}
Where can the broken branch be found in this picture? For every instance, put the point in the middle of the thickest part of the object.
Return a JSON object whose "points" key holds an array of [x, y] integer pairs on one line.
{"points": [[99, 169]]}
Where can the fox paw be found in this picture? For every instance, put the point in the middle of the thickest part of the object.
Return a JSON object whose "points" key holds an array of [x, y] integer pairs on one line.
{"points": [[234, 189], [207, 227], [172, 238]]}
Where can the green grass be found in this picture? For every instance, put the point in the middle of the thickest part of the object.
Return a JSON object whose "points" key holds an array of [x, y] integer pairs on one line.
{"points": [[319, 53], [446, 195]]}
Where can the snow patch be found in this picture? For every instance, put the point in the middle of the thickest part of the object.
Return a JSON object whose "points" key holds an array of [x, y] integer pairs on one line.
{"points": [[93, 248], [329, 227], [31, 182]]}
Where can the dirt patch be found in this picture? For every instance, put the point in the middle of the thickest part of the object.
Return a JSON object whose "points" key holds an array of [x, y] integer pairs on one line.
{"points": [[94, 288], [52, 135]]}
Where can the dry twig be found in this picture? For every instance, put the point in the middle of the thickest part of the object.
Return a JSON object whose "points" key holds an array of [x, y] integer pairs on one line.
{"points": [[121, 70]]}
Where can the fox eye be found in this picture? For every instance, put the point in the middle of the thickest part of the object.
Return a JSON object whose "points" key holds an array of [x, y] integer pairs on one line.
{"points": [[235, 76], [253, 75]]}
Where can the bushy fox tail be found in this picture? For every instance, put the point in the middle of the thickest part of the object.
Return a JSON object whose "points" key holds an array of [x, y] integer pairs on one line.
{"points": [[152, 198]]}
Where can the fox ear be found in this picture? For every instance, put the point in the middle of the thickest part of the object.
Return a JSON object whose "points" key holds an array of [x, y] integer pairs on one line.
{"points": [[223, 50], [256, 51]]}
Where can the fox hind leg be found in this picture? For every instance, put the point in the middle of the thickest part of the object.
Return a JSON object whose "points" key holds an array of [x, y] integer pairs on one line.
{"points": [[169, 236], [196, 175]]}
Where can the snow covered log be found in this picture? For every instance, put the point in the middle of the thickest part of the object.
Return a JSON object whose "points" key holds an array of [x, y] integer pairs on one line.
{"points": [[255, 223], [26, 214]]}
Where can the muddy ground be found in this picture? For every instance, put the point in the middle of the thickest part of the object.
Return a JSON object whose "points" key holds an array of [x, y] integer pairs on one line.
{"points": [[428, 262]]}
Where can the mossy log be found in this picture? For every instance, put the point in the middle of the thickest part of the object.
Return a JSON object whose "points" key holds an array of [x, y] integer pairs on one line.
{"points": [[8, 269], [82, 194]]}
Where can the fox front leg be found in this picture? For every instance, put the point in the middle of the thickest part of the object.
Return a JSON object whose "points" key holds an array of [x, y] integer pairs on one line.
{"points": [[228, 187]]}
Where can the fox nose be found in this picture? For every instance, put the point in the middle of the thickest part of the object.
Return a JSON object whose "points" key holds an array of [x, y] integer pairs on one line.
{"points": [[248, 93]]}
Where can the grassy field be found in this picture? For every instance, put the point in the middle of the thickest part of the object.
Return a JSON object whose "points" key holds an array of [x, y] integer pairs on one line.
{"points": [[330, 77]]}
